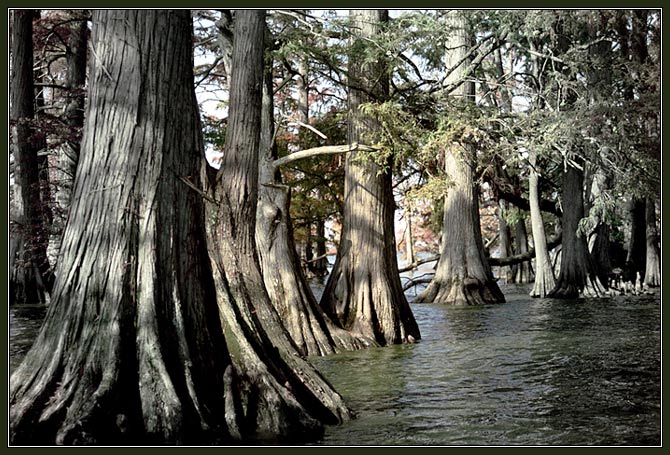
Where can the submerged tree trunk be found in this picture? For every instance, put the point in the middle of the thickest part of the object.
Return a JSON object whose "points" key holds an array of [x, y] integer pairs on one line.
{"points": [[600, 239], [363, 292], [504, 243], [577, 276], [523, 272], [463, 275], [652, 276], [31, 276], [131, 350], [283, 396], [310, 329], [636, 257]]}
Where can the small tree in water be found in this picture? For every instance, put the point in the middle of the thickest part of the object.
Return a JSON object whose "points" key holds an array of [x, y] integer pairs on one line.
{"points": [[132, 349]]}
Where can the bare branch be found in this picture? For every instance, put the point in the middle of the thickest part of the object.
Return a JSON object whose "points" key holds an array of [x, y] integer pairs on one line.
{"points": [[325, 150], [415, 264]]}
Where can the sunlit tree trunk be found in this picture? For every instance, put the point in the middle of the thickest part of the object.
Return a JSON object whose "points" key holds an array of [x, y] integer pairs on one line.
{"points": [[75, 80], [652, 276], [544, 272], [309, 327], [282, 394], [363, 292], [131, 350], [463, 275]]}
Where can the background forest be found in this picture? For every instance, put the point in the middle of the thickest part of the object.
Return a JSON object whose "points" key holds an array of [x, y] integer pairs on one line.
{"points": [[180, 179]]}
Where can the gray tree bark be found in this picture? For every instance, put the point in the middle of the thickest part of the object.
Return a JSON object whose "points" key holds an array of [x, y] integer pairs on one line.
{"points": [[132, 350], [309, 327], [283, 395], [75, 80], [577, 275], [363, 293], [652, 276], [463, 275]]}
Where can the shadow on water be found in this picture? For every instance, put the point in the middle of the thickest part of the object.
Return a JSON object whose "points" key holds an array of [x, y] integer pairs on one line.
{"points": [[526, 372]]}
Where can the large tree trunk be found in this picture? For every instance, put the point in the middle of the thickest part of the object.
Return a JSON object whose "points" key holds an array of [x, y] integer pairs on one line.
{"points": [[577, 276], [652, 276], [283, 395], [131, 350], [600, 239], [463, 275], [363, 292], [310, 329], [75, 80], [31, 276], [544, 272], [636, 257]]}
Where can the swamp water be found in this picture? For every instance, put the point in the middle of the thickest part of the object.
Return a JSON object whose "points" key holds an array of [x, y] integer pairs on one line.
{"points": [[526, 372]]}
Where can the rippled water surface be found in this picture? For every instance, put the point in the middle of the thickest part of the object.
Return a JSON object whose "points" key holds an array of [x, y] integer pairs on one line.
{"points": [[530, 371]]}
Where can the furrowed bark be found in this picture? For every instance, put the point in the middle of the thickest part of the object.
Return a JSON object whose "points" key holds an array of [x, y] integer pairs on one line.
{"points": [[363, 293], [131, 351], [283, 396], [463, 275]]}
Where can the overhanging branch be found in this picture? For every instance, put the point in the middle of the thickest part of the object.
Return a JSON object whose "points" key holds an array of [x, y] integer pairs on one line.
{"points": [[324, 150]]}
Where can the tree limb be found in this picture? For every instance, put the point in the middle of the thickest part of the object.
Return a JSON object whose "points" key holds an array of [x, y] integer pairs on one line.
{"points": [[325, 150], [519, 258], [415, 264], [522, 203]]}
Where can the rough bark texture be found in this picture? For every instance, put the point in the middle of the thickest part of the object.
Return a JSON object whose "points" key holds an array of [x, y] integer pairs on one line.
{"points": [[310, 328], [577, 276], [282, 395], [31, 276], [363, 292], [75, 80], [652, 276], [131, 350], [463, 275]]}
